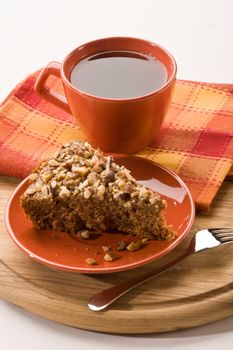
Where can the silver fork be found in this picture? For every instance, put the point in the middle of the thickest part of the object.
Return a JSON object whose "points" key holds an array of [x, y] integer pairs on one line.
{"points": [[202, 240]]}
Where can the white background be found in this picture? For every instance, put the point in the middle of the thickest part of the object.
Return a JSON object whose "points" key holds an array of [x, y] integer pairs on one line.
{"points": [[199, 33]]}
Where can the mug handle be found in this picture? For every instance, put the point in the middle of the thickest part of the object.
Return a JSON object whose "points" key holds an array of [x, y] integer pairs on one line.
{"points": [[53, 68]]}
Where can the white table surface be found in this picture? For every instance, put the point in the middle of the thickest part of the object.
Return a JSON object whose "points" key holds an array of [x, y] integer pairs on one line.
{"points": [[199, 35]]}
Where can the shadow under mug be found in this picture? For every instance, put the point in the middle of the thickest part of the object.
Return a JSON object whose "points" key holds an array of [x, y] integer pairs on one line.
{"points": [[113, 125]]}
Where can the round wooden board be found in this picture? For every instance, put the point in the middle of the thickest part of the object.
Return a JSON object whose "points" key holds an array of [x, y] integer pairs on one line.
{"points": [[197, 291]]}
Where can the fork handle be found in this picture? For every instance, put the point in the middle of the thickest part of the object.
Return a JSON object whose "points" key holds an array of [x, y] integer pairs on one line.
{"points": [[102, 300]]}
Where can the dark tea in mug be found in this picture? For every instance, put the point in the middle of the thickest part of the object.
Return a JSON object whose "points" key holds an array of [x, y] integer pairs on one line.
{"points": [[119, 74], [118, 90]]}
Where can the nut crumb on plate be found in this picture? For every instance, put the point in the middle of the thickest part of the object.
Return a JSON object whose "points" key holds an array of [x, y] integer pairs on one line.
{"points": [[85, 234], [109, 256], [106, 248], [90, 261], [122, 245], [135, 245]]}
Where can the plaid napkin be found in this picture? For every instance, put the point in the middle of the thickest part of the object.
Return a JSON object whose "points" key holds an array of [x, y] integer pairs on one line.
{"points": [[196, 139]]}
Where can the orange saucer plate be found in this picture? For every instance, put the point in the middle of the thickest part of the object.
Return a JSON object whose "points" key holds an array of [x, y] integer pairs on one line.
{"points": [[60, 250]]}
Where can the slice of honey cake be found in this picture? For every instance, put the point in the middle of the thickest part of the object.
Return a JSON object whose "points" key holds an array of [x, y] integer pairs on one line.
{"points": [[80, 188]]}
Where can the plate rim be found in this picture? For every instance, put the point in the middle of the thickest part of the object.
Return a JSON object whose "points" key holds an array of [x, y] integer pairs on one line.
{"points": [[103, 270]]}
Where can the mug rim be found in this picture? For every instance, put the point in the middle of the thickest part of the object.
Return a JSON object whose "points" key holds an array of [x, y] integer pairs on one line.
{"points": [[92, 42]]}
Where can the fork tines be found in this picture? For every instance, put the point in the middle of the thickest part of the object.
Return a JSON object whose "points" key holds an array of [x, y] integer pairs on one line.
{"points": [[220, 230], [223, 235]]}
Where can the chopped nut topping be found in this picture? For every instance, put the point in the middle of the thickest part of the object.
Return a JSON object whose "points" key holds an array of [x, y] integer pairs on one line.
{"points": [[38, 185], [56, 154], [100, 192], [87, 193], [82, 171], [128, 187], [117, 195], [87, 172], [70, 175], [129, 176], [127, 205], [33, 177], [107, 176], [110, 256], [53, 163], [121, 184], [45, 190], [107, 166], [75, 159], [134, 246], [31, 190], [97, 168], [143, 192], [96, 184], [92, 178], [90, 261], [133, 194], [47, 176], [83, 184], [61, 176], [64, 192], [53, 184]]}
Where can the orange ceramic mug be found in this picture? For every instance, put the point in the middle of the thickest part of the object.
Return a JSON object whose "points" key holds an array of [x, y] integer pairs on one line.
{"points": [[114, 125]]}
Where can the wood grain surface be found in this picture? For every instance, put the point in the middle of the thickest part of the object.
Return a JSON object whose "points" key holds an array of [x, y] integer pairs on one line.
{"points": [[197, 291]]}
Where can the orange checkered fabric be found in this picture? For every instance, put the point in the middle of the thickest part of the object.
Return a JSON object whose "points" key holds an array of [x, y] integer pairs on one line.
{"points": [[195, 141]]}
